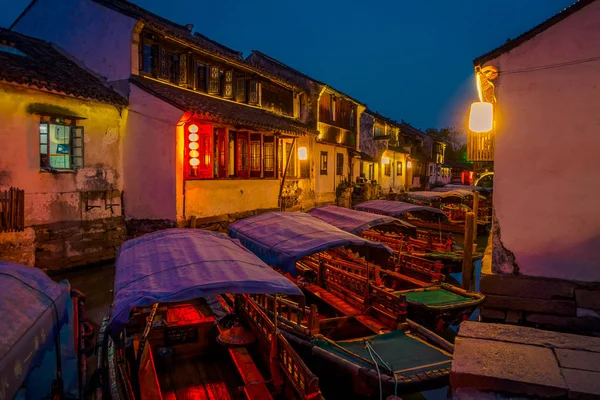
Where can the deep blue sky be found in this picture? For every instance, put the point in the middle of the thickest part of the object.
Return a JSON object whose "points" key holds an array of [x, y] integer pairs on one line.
{"points": [[409, 60]]}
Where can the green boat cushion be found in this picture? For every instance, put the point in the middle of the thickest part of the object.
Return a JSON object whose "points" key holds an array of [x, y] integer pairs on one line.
{"points": [[399, 350], [435, 297]]}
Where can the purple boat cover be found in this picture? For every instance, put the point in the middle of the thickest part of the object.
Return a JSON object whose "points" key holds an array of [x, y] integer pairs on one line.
{"points": [[353, 221], [183, 264], [395, 208], [282, 238]]}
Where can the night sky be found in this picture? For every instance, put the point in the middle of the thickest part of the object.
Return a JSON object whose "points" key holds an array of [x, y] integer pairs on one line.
{"points": [[408, 60]]}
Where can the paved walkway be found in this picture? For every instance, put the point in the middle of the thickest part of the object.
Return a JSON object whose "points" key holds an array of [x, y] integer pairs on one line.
{"points": [[525, 361]]}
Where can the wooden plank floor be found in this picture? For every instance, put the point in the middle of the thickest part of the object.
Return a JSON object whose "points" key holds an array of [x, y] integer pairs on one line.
{"points": [[199, 378], [346, 309]]}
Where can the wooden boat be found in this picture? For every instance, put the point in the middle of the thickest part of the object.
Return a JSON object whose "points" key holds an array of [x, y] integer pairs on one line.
{"points": [[361, 334], [399, 235], [171, 336], [419, 215], [46, 338], [484, 207], [454, 203]]}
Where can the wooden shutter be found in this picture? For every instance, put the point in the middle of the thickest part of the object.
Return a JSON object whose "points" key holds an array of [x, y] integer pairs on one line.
{"points": [[76, 147], [228, 85], [214, 80], [183, 70], [242, 152], [253, 92], [164, 63], [222, 149], [240, 88], [44, 145]]}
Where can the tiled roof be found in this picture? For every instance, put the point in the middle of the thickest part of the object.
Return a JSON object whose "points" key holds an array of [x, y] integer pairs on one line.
{"points": [[381, 117], [230, 112], [184, 33], [511, 44], [282, 65], [37, 64]]}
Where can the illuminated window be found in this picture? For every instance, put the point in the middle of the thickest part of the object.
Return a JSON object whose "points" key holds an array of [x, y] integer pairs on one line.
{"points": [[399, 168], [240, 88], [332, 99], [323, 163], [255, 155], [61, 146], [387, 169], [228, 85], [378, 130], [352, 118], [339, 164], [214, 80]]}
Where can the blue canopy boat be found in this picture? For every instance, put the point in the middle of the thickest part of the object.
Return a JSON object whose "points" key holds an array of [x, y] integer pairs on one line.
{"points": [[361, 333], [40, 332], [430, 302], [168, 316]]}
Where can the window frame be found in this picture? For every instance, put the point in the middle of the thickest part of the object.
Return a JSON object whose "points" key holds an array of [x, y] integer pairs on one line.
{"points": [[399, 166], [45, 158], [387, 169], [323, 162]]}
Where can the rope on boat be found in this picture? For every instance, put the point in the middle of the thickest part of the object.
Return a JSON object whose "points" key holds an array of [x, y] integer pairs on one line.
{"points": [[368, 346]]}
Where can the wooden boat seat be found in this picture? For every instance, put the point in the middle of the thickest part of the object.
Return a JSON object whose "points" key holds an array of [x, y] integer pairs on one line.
{"points": [[346, 309]]}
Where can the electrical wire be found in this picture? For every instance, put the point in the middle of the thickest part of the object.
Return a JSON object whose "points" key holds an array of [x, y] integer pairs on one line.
{"points": [[549, 66]]}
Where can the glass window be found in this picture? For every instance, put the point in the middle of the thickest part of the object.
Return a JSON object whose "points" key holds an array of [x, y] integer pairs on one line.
{"points": [[399, 168], [149, 60], [291, 169], [61, 146], [323, 163], [201, 83], [387, 170], [378, 130], [255, 155]]}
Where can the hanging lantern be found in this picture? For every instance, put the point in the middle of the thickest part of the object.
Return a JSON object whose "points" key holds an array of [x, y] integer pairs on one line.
{"points": [[481, 118], [302, 153], [385, 160], [193, 145]]}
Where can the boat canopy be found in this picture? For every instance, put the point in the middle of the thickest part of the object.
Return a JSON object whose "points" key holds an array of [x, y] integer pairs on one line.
{"points": [[354, 221], [433, 195], [396, 208], [282, 238], [183, 264], [465, 187], [37, 320], [460, 192]]}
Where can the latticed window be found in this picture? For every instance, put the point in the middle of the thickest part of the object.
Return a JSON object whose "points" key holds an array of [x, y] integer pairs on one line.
{"points": [[228, 85], [214, 80], [255, 155], [399, 168], [387, 169], [269, 157]]}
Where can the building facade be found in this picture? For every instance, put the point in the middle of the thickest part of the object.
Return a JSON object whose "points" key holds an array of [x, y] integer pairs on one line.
{"points": [[209, 136], [333, 151], [388, 155], [62, 131], [545, 268]]}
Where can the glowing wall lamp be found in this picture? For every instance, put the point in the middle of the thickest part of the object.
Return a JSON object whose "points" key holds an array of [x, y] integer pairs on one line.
{"points": [[408, 164], [385, 160], [302, 153], [481, 118]]}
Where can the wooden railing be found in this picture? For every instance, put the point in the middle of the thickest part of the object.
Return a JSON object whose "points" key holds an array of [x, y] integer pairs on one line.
{"points": [[348, 280], [304, 320], [422, 268], [305, 383], [12, 210]]}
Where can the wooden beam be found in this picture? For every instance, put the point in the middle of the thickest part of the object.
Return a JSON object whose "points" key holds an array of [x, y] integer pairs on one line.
{"points": [[467, 267]]}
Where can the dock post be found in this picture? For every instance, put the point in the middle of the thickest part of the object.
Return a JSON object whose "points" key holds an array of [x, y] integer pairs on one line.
{"points": [[475, 211], [467, 267]]}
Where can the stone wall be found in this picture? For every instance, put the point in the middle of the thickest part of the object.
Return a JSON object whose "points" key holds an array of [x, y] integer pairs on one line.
{"points": [[541, 302], [68, 244], [18, 247]]}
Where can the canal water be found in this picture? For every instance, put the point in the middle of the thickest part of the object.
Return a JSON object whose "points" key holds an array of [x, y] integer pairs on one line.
{"points": [[97, 285]]}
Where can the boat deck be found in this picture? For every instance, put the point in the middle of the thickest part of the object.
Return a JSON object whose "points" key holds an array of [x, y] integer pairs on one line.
{"points": [[199, 378]]}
